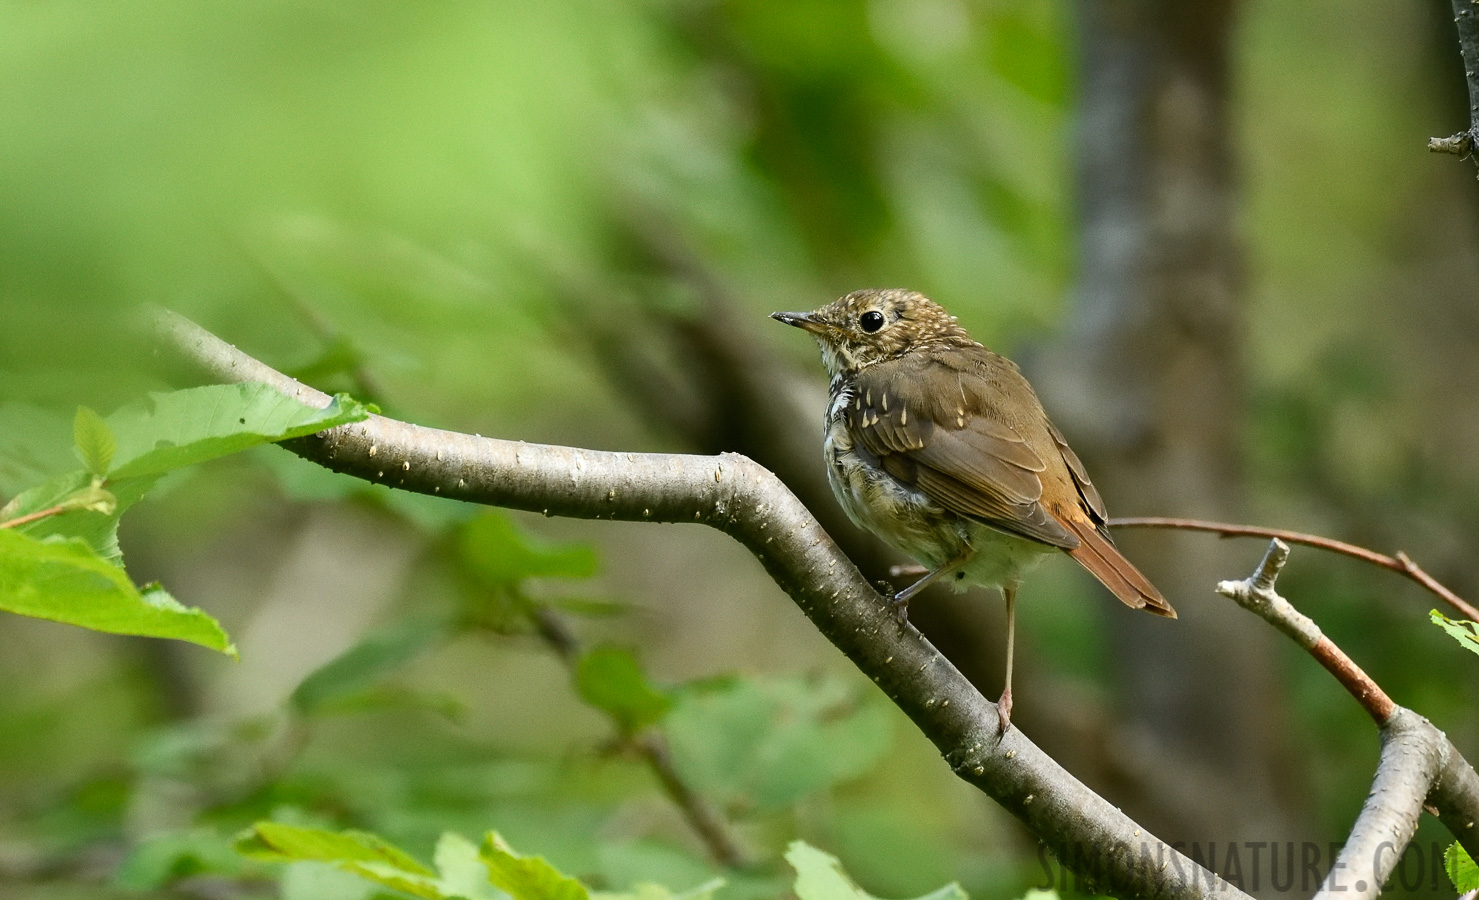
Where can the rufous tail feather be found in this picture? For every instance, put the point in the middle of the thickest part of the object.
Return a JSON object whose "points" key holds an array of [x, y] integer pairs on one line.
{"points": [[1095, 553]]}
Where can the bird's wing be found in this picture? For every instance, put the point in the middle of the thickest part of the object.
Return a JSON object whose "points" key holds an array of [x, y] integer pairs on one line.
{"points": [[932, 427], [1087, 493]]}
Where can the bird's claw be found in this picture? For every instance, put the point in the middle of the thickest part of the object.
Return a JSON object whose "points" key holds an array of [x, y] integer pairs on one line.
{"points": [[901, 608], [1004, 710]]}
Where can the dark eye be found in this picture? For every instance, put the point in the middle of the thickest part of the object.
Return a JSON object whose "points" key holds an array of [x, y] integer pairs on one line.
{"points": [[871, 321]]}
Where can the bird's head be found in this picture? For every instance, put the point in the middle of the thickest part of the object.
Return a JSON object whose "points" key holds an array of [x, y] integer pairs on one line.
{"points": [[873, 325]]}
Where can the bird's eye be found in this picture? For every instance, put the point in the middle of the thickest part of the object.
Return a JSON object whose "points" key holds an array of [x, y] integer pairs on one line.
{"points": [[871, 321]]}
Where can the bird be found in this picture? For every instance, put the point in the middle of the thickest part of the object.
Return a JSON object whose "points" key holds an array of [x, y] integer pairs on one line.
{"points": [[941, 448]]}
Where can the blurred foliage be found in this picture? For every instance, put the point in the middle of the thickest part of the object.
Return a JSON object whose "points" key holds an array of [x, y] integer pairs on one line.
{"points": [[446, 209]]}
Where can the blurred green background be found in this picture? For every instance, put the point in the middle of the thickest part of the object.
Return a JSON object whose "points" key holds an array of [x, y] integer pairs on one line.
{"points": [[565, 222]]}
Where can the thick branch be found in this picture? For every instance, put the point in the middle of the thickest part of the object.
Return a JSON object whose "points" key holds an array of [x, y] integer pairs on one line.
{"points": [[1466, 17], [1411, 751], [742, 499]]}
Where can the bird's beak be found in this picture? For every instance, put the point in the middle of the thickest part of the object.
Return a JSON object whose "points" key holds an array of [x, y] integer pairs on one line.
{"points": [[801, 320]]}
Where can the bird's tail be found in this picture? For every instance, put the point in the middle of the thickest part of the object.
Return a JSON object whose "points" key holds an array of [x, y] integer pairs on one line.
{"points": [[1096, 553]]}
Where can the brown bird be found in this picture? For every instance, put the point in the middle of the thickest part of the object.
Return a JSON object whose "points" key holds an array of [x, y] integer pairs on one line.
{"points": [[941, 448]]}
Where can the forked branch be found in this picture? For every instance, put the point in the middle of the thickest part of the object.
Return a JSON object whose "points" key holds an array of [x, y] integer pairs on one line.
{"points": [[1419, 766]]}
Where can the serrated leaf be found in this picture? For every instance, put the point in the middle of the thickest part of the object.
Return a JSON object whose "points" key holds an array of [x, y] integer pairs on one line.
{"points": [[1461, 868], [66, 581], [85, 518], [167, 431], [1461, 630], [769, 742], [499, 555], [610, 679], [93, 440], [527, 877], [359, 852], [355, 671], [820, 876]]}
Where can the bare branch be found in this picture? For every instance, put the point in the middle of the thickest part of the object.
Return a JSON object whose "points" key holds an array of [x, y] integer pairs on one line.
{"points": [[742, 499], [1400, 563], [1256, 594], [1411, 750], [1418, 762], [702, 818], [654, 749], [1466, 17]]}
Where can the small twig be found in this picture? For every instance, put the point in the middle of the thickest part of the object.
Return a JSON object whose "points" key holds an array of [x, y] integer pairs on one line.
{"points": [[38, 514], [556, 632], [653, 747], [1466, 17], [711, 828], [1461, 144], [1257, 594], [1401, 563]]}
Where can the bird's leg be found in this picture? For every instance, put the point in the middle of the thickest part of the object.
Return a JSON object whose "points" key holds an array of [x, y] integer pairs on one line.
{"points": [[902, 598], [1004, 705]]}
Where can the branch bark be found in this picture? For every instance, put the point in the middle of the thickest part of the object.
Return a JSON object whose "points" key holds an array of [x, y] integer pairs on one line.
{"points": [[747, 502], [740, 498], [1418, 763], [1466, 17]]}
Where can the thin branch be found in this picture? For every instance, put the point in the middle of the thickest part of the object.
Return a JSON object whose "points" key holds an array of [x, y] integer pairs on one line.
{"points": [[1401, 563], [1257, 595], [702, 818], [735, 495], [37, 515], [653, 748], [1466, 17]]}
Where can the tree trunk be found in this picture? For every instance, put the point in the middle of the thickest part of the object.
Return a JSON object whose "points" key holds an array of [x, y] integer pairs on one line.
{"points": [[1149, 387]]}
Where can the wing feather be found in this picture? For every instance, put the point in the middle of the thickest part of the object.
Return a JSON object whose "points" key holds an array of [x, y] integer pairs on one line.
{"points": [[956, 452]]}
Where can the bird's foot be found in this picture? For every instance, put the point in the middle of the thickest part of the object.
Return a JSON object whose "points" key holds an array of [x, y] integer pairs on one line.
{"points": [[1004, 710], [900, 603]]}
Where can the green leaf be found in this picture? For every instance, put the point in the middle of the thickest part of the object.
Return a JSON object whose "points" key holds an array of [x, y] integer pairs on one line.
{"points": [[1461, 869], [66, 581], [463, 873], [498, 555], [1461, 630], [819, 876], [94, 441], [527, 877], [87, 515], [166, 431], [359, 852], [163, 858], [645, 890], [354, 672], [610, 679], [770, 742]]}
